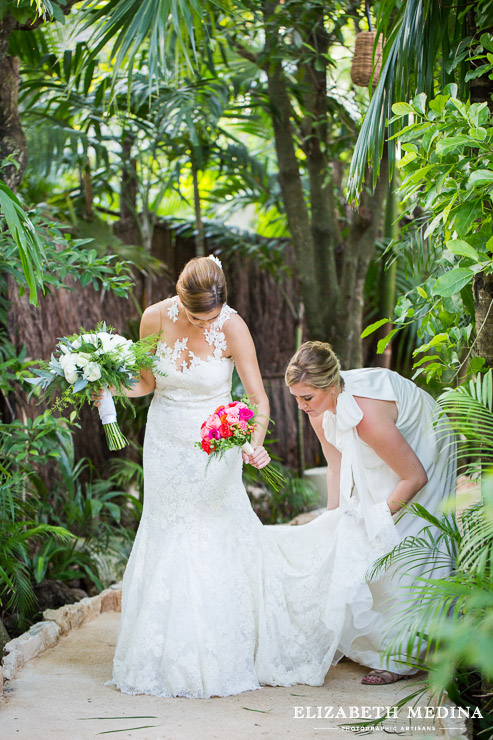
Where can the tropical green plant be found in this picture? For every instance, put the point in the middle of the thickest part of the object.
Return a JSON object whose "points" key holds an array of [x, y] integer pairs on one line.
{"points": [[25, 239], [469, 408], [449, 616], [426, 45], [20, 529], [447, 172], [64, 529]]}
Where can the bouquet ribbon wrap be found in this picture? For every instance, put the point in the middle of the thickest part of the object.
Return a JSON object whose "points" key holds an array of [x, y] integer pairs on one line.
{"points": [[107, 410], [247, 447]]}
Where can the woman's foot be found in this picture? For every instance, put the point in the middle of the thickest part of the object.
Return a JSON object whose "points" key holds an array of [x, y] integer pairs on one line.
{"points": [[378, 677]]}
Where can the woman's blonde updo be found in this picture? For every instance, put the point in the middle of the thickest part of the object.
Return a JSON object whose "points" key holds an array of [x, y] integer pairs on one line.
{"points": [[315, 364], [201, 286]]}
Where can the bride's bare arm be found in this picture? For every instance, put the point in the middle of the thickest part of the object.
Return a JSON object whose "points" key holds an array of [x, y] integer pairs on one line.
{"points": [[242, 348], [333, 458], [149, 324]]}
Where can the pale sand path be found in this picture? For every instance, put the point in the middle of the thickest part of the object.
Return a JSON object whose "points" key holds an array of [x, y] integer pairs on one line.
{"points": [[56, 693]]}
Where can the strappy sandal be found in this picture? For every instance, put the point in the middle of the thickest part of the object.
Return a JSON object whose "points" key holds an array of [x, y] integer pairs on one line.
{"points": [[381, 677]]}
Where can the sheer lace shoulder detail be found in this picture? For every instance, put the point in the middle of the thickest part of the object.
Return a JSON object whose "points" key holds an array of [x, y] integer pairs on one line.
{"points": [[173, 309], [180, 356], [215, 336]]}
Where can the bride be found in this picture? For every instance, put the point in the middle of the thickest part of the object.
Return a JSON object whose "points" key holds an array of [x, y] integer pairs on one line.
{"points": [[213, 602]]}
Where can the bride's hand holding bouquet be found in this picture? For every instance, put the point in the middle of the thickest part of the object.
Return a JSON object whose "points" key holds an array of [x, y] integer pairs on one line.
{"points": [[92, 365], [232, 425]]}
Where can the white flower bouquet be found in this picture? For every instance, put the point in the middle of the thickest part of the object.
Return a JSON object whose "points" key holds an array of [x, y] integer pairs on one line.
{"points": [[89, 362]]}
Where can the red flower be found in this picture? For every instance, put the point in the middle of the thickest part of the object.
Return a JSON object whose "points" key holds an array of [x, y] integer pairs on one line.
{"points": [[206, 446], [225, 431]]}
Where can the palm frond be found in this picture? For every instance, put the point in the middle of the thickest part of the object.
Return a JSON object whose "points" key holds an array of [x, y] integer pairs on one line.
{"points": [[410, 49], [29, 246], [161, 31], [469, 409]]}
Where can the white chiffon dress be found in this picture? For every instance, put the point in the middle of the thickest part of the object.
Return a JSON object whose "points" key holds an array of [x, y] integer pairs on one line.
{"points": [[213, 602], [430, 435]]}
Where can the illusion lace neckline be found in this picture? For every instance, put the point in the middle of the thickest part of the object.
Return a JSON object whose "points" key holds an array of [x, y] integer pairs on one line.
{"points": [[214, 336]]}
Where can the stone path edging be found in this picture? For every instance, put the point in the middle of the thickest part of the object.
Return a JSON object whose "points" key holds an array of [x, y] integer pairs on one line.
{"points": [[57, 622]]}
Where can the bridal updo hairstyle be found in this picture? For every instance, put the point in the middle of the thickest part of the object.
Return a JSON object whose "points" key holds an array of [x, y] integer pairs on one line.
{"points": [[201, 286], [315, 364]]}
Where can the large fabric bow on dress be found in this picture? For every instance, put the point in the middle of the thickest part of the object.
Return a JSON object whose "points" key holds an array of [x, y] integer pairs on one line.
{"points": [[347, 417]]}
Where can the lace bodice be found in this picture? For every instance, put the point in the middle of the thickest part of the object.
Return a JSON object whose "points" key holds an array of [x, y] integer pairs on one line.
{"points": [[182, 374]]}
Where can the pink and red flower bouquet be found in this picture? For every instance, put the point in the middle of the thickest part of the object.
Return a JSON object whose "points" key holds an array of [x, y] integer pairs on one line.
{"points": [[232, 425]]}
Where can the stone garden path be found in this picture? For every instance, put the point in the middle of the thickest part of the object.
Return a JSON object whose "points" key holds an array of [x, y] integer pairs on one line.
{"points": [[60, 695]]}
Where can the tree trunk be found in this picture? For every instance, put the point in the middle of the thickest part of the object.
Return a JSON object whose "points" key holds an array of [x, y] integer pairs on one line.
{"points": [[289, 175], [12, 139], [358, 252], [129, 185], [481, 90], [483, 302]]}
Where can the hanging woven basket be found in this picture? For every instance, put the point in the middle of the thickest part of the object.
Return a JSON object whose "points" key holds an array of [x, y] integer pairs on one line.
{"points": [[362, 66]]}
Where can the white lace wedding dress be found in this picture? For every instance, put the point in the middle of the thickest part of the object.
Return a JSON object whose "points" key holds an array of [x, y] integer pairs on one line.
{"points": [[214, 603]]}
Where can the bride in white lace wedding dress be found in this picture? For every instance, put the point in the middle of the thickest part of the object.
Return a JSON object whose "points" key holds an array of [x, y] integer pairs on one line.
{"points": [[214, 603]]}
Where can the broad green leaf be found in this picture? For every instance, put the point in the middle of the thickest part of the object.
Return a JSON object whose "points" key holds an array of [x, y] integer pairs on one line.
{"points": [[385, 340], [422, 292], [478, 72], [465, 215], [438, 103], [462, 248], [450, 90], [478, 133], [402, 109], [475, 364], [406, 159], [479, 178], [486, 41], [437, 339], [452, 144], [373, 327], [433, 225], [419, 103], [461, 107], [452, 281]]}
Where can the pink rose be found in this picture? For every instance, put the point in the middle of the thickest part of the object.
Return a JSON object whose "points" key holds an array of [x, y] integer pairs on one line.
{"points": [[246, 413], [243, 424], [213, 422], [214, 434], [232, 418]]}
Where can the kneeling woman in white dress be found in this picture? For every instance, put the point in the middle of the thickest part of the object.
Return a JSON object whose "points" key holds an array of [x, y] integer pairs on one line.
{"points": [[384, 442]]}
